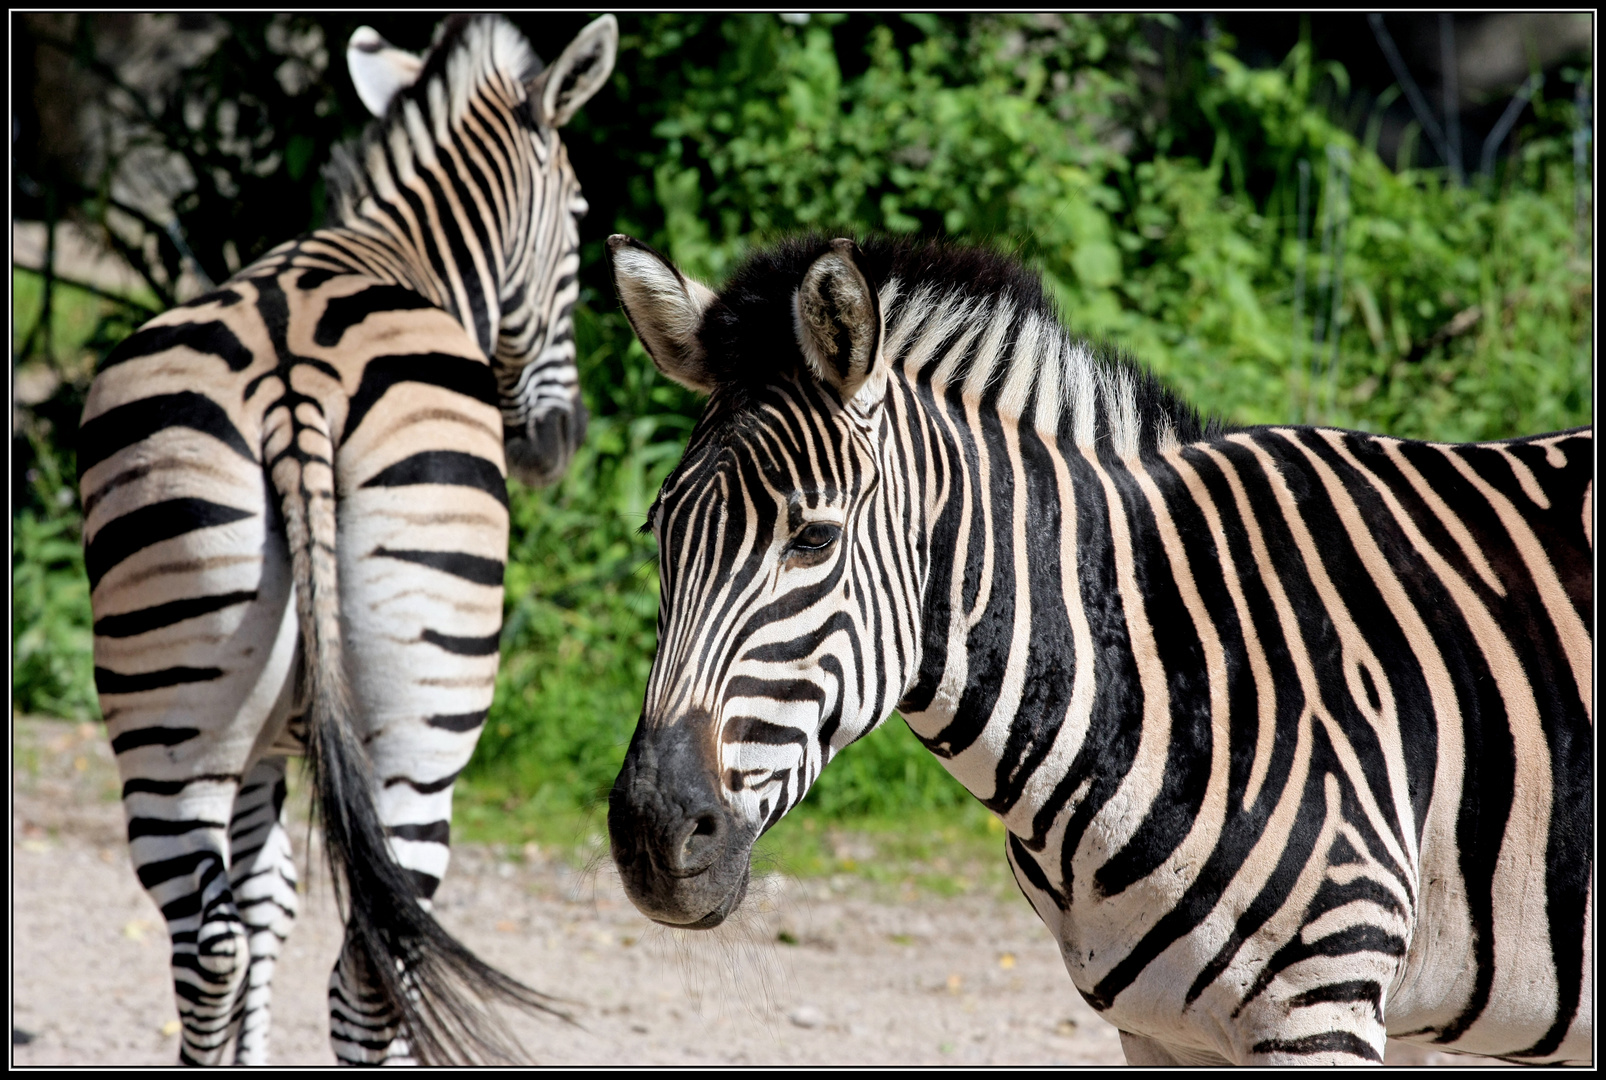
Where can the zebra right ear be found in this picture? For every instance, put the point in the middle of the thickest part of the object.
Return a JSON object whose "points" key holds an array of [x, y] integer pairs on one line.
{"points": [[665, 308], [378, 69]]}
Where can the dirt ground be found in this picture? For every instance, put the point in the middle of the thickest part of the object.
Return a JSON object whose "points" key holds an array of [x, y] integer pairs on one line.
{"points": [[811, 972]]}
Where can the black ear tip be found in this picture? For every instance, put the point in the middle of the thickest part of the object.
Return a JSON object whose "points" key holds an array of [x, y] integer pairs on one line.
{"points": [[619, 241]]}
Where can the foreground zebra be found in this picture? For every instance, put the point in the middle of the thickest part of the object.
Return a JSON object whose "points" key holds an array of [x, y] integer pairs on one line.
{"points": [[296, 522], [1290, 728]]}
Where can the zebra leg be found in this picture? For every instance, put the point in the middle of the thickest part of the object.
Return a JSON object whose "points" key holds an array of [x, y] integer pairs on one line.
{"points": [[421, 592], [262, 876], [194, 644], [182, 860]]}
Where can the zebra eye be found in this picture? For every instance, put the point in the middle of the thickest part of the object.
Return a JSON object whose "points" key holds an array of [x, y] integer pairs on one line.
{"points": [[815, 536]]}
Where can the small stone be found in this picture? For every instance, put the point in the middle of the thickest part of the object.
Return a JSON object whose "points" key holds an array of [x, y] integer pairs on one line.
{"points": [[806, 1016]]}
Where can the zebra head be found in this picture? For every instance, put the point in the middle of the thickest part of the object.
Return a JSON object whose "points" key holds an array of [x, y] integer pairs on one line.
{"points": [[481, 115], [787, 572]]}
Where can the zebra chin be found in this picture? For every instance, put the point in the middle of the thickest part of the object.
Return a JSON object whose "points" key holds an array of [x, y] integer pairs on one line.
{"points": [[681, 851], [540, 453]]}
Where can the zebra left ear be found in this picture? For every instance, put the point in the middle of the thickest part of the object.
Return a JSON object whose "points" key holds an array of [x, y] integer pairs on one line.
{"points": [[378, 69], [580, 72], [837, 317]]}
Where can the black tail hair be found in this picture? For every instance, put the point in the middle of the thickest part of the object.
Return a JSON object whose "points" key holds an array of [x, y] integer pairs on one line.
{"points": [[429, 978]]}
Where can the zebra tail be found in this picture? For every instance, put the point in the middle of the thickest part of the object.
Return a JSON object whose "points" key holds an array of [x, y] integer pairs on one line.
{"points": [[433, 983]]}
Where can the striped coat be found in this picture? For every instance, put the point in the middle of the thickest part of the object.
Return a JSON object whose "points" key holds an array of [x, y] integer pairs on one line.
{"points": [[1290, 728], [296, 521]]}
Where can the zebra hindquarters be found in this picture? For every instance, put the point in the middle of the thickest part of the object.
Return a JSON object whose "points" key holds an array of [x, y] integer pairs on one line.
{"points": [[195, 640], [423, 540]]}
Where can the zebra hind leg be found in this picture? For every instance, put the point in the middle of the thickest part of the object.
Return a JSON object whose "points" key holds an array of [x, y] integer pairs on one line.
{"points": [[181, 858], [364, 1028], [263, 878]]}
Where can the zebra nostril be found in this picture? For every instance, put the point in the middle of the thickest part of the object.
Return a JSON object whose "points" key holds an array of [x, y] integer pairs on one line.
{"points": [[701, 841]]}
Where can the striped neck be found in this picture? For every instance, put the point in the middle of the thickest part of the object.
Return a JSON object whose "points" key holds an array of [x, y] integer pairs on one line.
{"points": [[1011, 357], [456, 144]]}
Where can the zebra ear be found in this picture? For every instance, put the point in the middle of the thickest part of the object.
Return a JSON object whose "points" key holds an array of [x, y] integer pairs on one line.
{"points": [[378, 69], [580, 72], [837, 319], [665, 308]]}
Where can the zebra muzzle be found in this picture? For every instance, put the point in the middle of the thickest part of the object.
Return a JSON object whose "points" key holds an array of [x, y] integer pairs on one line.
{"points": [[682, 853], [540, 453]]}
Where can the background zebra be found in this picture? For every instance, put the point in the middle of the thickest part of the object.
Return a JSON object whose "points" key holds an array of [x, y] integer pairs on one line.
{"points": [[1290, 728], [329, 426]]}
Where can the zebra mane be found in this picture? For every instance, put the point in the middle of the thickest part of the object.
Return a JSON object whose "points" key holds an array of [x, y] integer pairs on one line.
{"points": [[933, 294], [468, 53]]}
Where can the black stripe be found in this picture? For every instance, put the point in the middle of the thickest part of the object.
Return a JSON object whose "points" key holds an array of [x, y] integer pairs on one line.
{"points": [[438, 832], [152, 736], [145, 826], [472, 378], [464, 646], [114, 429], [1343, 1042], [480, 571], [344, 312], [212, 338], [458, 721], [113, 682], [444, 467], [132, 623], [750, 729], [424, 885], [164, 870], [316, 277], [139, 529], [1353, 990], [144, 786], [428, 787]]}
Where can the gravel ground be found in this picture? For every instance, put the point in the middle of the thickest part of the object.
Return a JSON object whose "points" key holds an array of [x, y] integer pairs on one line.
{"points": [[810, 972]]}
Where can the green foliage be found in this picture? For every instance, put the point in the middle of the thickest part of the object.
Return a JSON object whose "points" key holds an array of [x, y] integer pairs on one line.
{"points": [[1154, 187], [52, 662]]}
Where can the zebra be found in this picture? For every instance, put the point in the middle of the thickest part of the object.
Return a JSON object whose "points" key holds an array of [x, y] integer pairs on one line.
{"points": [[296, 524], [1289, 728]]}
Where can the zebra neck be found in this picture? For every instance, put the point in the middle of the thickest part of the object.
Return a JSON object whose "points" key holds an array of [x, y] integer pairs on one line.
{"points": [[1035, 540], [1017, 363]]}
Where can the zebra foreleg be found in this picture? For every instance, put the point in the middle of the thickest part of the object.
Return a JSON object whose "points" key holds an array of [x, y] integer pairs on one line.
{"points": [[263, 876]]}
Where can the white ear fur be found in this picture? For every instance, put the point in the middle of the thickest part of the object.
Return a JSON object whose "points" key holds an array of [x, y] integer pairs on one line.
{"points": [[378, 69], [579, 73], [837, 318], [665, 308]]}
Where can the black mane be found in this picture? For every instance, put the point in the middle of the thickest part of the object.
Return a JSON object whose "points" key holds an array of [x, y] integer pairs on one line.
{"points": [[749, 339]]}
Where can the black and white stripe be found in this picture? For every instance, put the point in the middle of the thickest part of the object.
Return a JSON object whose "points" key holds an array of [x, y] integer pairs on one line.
{"points": [[296, 522], [1290, 728]]}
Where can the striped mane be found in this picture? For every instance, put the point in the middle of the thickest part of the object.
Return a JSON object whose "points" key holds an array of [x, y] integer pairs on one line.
{"points": [[939, 303], [468, 54]]}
